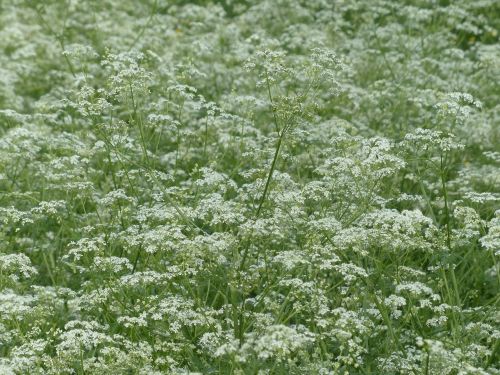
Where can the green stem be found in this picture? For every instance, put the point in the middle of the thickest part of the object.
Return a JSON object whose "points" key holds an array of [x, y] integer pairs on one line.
{"points": [[448, 229], [446, 209], [137, 259], [270, 174]]}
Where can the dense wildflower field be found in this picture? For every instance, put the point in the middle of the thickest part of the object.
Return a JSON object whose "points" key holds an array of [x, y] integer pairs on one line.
{"points": [[249, 187]]}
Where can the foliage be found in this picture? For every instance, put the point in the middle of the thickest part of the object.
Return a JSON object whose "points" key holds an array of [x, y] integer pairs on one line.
{"points": [[249, 187]]}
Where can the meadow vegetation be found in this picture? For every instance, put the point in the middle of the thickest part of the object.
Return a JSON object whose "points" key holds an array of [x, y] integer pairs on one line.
{"points": [[249, 187]]}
